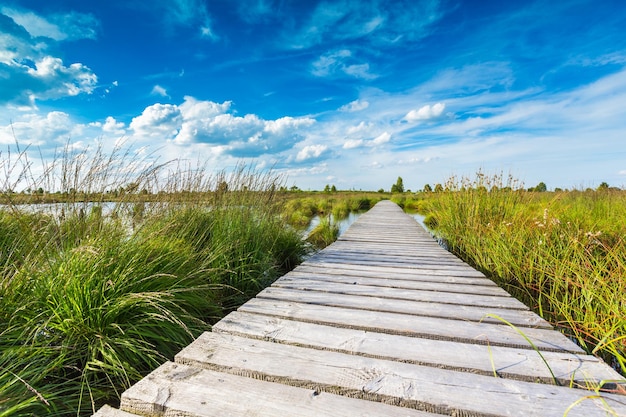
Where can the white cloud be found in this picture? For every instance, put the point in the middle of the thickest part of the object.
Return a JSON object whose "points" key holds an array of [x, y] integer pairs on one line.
{"points": [[37, 130], [426, 112], [208, 123], [360, 128], [370, 21], [374, 165], [311, 152], [158, 120], [356, 105], [382, 139], [339, 63], [207, 32], [328, 63], [353, 143], [113, 126], [59, 27], [157, 90], [29, 73]]}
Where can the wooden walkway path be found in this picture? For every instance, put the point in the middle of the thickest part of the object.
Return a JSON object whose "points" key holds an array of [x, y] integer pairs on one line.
{"points": [[383, 322]]}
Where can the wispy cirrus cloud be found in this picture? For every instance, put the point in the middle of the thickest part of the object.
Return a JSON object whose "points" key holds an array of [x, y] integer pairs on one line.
{"points": [[356, 105], [341, 63], [377, 22], [59, 26]]}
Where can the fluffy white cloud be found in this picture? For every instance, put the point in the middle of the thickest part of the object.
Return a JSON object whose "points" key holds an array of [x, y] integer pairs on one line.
{"points": [[426, 112], [311, 152], [356, 105], [35, 129], [379, 140], [113, 126], [353, 143], [158, 120], [361, 128], [209, 123], [382, 138], [29, 73]]}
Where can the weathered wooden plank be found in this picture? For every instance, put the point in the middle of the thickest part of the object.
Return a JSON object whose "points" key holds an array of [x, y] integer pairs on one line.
{"points": [[175, 389], [417, 249], [489, 290], [421, 260], [523, 318], [424, 388], [390, 262], [407, 269], [427, 327], [522, 364], [403, 294], [394, 274]]}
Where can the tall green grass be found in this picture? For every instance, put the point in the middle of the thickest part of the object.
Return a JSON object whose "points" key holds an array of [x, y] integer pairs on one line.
{"points": [[298, 210], [564, 254], [93, 296]]}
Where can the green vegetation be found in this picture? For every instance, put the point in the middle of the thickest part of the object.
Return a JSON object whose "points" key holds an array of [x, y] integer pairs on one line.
{"points": [[398, 187], [563, 254], [93, 296], [325, 233], [299, 208]]}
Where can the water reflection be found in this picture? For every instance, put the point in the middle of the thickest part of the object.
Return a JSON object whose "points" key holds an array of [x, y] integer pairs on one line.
{"points": [[343, 223]]}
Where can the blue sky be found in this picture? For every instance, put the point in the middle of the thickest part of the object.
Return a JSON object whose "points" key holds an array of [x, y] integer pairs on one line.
{"points": [[353, 93]]}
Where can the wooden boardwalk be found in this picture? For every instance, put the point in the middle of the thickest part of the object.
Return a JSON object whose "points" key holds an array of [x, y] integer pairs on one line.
{"points": [[383, 322]]}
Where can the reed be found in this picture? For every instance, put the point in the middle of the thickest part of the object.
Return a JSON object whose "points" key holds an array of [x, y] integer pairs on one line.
{"points": [[325, 233], [135, 261], [563, 254]]}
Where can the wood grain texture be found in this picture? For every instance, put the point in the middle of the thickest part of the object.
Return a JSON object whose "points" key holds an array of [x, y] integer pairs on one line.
{"points": [[408, 325], [522, 318], [180, 390], [507, 362], [421, 387]]}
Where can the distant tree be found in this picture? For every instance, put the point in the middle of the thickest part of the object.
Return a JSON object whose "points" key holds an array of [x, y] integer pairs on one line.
{"points": [[428, 188], [540, 188], [438, 188], [558, 190], [603, 186], [327, 189], [380, 190], [333, 189], [398, 187]]}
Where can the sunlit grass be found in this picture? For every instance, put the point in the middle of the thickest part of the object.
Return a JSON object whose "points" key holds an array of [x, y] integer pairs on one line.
{"points": [[564, 254], [94, 295]]}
